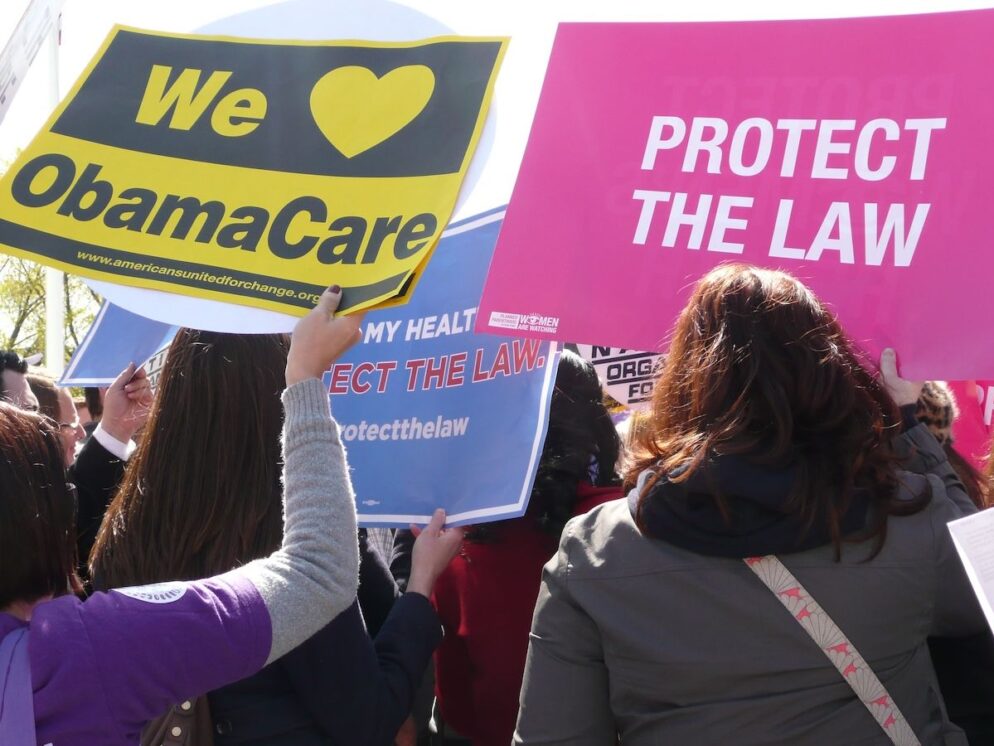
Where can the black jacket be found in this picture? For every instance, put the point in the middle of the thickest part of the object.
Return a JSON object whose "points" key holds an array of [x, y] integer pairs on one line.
{"points": [[97, 473], [340, 688]]}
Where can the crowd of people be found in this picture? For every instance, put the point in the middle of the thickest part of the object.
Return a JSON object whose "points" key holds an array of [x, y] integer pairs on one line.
{"points": [[763, 558]]}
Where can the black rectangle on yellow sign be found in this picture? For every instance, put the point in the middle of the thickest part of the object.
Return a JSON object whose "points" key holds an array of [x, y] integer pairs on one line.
{"points": [[308, 123], [252, 171]]}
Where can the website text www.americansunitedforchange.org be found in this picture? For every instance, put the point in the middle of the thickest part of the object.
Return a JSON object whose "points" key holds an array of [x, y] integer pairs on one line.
{"points": [[222, 280]]}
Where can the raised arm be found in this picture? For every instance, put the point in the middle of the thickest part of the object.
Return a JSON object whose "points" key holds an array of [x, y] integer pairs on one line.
{"points": [[955, 611], [166, 643], [917, 448], [314, 576]]}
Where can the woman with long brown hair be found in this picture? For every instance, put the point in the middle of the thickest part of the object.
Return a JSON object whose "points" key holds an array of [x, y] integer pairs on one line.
{"points": [[212, 434], [771, 456], [93, 671], [202, 495]]}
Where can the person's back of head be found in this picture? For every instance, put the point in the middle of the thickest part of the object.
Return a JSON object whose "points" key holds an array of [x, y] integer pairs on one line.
{"points": [[759, 368], [581, 447], [201, 494], [13, 381], [94, 402], [937, 410], [37, 511], [56, 404], [581, 438], [42, 383]]}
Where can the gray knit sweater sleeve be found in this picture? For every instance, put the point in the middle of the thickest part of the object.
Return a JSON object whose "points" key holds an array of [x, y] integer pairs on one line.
{"points": [[314, 576]]}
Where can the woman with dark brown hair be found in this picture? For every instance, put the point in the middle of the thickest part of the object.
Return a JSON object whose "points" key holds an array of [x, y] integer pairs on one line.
{"points": [[202, 495], [213, 433], [93, 671], [771, 456]]}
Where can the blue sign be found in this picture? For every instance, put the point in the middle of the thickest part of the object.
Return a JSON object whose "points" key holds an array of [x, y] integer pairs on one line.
{"points": [[116, 338], [434, 415]]}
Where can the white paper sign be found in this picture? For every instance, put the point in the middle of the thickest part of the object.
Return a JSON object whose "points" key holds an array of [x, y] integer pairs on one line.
{"points": [[627, 375], [32, 30], [972, 536]]}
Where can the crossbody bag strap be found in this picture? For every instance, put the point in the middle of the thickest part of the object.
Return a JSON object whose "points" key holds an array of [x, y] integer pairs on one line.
{"points": [[836, 647], [17, 711]]}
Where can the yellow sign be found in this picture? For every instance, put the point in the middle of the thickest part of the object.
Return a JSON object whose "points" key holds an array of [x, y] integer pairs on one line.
{"points": [[253, 172]]}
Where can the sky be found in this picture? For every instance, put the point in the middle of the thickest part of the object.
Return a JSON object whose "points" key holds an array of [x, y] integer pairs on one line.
{"points": [[531, 24]]}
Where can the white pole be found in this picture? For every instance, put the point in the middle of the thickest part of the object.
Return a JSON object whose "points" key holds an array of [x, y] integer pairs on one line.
{"points": [[55, 308]]}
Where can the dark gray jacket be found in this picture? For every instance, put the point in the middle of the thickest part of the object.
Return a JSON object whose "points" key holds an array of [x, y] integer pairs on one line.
{"points": [[638, 638]]}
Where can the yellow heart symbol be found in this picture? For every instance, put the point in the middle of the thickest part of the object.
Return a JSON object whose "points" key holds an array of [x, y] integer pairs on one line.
{"points": [[356, 110]]}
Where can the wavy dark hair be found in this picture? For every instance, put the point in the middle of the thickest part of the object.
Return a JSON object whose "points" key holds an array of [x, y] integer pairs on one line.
{"points": [[757, 366], [37, 510], [201, 495], [581, 445]]}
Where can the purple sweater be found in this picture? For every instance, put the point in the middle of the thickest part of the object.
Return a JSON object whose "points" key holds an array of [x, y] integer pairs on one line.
{"points": [[101, 668]]}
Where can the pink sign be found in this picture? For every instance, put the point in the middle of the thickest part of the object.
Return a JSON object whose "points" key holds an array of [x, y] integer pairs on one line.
{"points": [[854, 153], [972, 429]]}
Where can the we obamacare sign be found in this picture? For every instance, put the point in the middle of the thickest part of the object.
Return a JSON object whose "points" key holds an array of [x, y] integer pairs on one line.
{"points": [[253, 172]]}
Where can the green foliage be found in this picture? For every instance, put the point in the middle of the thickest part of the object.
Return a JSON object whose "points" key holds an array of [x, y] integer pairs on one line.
{"points": [[22, 307]]}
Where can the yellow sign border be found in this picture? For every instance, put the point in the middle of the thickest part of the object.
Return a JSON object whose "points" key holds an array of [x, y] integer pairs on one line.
{"points": [[393, 298]]}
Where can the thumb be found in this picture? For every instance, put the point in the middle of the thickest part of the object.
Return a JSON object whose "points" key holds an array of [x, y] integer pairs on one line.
{"points": [[329, 300], [436, 523], [888, 364], [124, 376]]}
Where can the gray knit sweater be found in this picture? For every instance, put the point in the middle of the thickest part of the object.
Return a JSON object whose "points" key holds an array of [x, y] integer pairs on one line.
{"points": [[314, 576]]}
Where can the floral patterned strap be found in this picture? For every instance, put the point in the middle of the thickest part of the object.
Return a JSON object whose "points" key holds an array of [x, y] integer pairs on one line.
{"points": [[836, 646]]}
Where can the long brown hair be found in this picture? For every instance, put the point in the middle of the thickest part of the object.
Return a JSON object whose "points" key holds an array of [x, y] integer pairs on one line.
{"points": [[201, 495], [758, 366], [37, 510]]}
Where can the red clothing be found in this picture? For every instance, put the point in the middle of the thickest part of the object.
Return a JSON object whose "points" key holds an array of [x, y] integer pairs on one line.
{"points": [[485, 599]]}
